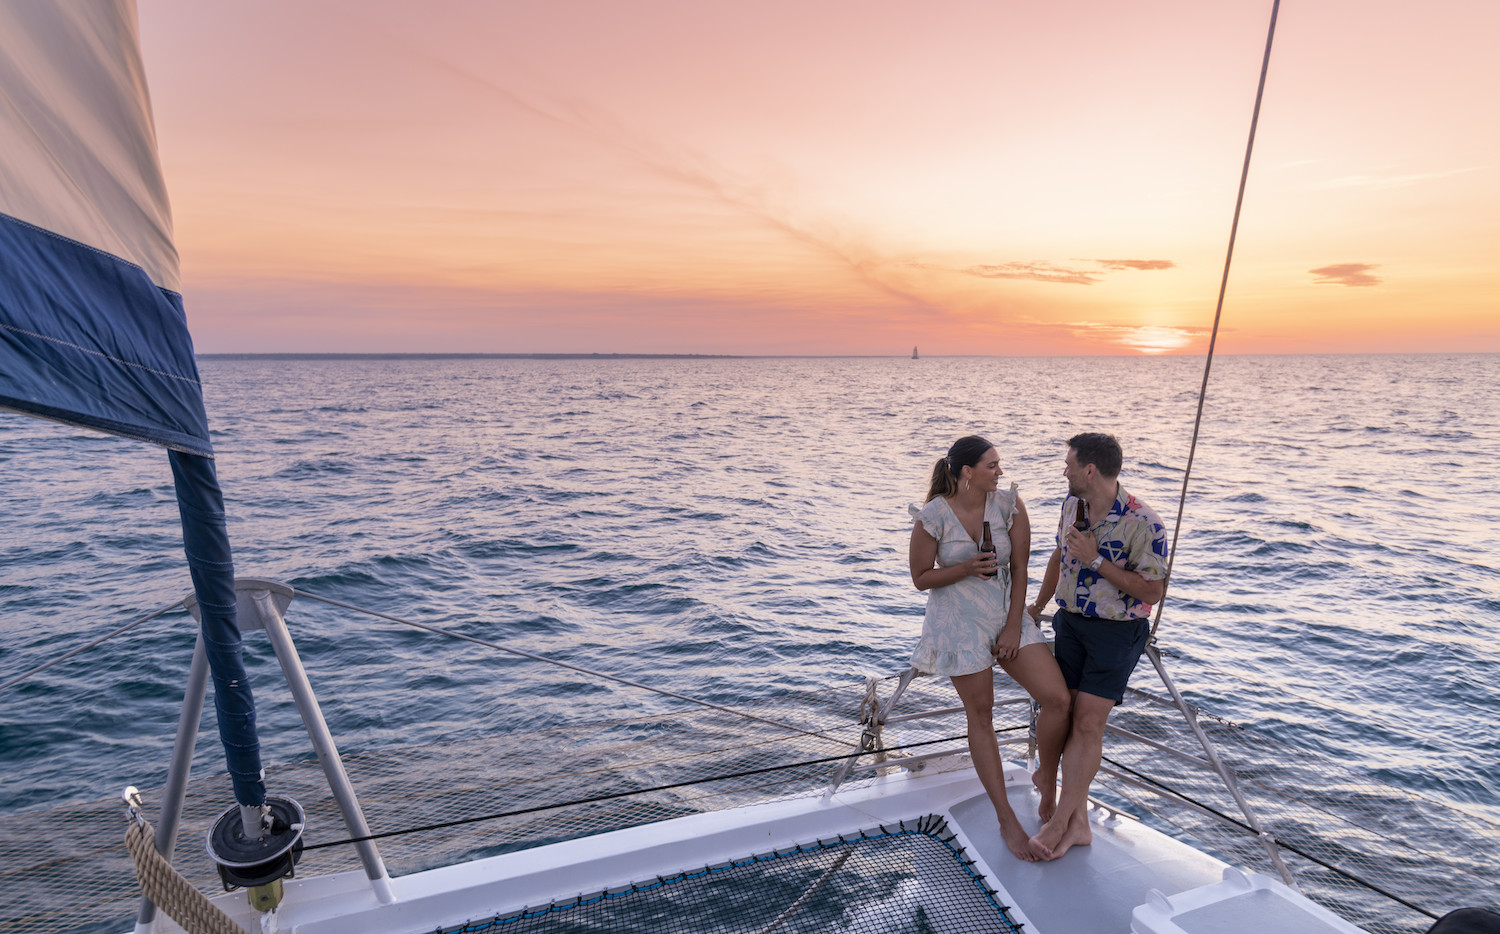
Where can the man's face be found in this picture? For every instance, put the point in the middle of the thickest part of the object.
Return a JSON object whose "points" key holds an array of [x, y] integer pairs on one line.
{"points": [[1077, 475]]}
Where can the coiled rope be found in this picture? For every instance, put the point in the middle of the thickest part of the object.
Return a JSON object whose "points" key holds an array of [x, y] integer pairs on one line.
{"points": [[167, 889]]}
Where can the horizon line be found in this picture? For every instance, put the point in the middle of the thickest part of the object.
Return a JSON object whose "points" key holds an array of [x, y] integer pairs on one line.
{"points": [[413, 355]]}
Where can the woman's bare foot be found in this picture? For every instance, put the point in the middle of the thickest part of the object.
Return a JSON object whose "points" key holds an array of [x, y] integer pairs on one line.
{"points": [[1016, 840], [1048, 791], [1050, 836]]}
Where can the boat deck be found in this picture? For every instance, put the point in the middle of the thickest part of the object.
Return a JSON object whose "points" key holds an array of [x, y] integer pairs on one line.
{"points": [[1092, 888], [1088, 889]]}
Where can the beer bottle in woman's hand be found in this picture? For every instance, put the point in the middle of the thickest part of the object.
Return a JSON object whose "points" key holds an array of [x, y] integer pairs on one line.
{"points": [[987, 547]]}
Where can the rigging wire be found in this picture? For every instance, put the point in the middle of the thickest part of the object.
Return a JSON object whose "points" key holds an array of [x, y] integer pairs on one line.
{"points": [[84, 648], [825, 760], [1260, 91], [1141, 776], [561, 664]]}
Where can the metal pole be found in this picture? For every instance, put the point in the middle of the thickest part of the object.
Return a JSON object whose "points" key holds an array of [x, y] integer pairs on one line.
{"points": [[1225, 772], [175, 791], [322, 740]]}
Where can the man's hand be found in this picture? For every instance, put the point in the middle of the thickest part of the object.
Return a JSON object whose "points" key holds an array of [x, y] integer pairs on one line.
{"points": [[1082, 546]]}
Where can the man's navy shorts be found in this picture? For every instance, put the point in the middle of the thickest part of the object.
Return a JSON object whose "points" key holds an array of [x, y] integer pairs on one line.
{"points": [[1097, 655]]}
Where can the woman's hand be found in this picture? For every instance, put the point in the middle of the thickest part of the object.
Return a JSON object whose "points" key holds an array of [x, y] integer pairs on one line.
{"points": [[1009, 642], [984, 564]]}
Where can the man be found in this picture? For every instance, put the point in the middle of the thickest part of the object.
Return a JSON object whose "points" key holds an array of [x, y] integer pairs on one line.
{"points": [[1106, 577]]}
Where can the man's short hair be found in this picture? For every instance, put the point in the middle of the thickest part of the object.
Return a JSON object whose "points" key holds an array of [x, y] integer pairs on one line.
{"points": [[1099, 449]]}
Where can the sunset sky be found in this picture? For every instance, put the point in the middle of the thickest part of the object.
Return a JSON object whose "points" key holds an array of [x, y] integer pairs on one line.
{"points": [[829, 177]]}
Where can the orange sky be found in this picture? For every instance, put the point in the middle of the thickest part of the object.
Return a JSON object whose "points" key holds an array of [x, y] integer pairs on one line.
{"points": [[828, 177]]}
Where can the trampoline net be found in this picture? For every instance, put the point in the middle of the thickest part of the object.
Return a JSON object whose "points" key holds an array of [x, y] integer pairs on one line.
{"points": [[908, 878]]}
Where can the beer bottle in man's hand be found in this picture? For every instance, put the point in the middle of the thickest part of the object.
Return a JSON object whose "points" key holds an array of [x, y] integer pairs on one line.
{"points": [[1081, 516], [987, 547]]}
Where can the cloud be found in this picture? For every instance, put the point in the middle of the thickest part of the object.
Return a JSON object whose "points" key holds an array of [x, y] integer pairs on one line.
{"points": [[1392, 181], [1352, 274], [1036, 272], [755, 199], [1143, 264], [1067, 275]]}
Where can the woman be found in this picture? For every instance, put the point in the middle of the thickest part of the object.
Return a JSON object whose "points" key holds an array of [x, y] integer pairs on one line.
{"points": [[974, 616]]}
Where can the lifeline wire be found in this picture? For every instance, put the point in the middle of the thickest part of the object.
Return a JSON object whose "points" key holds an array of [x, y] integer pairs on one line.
{"points": [[636, 791], [552, 661], [84, 648], [1265, 65], [1277, 840]]}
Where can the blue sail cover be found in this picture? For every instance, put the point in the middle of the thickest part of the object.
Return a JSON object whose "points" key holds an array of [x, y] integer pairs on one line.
{"points": [[92, 330]]}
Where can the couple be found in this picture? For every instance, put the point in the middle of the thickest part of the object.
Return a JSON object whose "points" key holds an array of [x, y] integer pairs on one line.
{"points": [[1107, 574]]}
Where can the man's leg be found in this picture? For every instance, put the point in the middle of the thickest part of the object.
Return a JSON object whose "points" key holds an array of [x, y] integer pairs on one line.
{"points": [[1080, 762]]}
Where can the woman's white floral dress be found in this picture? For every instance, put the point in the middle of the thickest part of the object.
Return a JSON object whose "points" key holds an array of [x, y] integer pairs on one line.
{"points": [[965, 618]]}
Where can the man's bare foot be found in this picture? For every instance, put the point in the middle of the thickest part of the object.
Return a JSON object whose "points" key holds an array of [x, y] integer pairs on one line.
{"points": [[1048, 791], [1078, 833], [1015, 839]]}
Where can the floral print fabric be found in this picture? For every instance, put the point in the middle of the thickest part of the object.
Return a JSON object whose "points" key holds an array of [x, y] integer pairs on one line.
{"points": [[1131, 536], [965, 618]]}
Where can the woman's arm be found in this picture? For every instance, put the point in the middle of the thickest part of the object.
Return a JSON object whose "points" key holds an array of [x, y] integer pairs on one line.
{"points": [[1020, 553], [922, 555], [1008, 643]]}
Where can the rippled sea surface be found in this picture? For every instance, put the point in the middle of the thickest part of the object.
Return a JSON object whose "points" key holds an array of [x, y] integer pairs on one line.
{"points": [[733, 528]]}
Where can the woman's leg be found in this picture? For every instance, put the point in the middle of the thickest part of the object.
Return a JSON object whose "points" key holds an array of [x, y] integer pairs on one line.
{"points": [[1035, 670], [977, 692]]}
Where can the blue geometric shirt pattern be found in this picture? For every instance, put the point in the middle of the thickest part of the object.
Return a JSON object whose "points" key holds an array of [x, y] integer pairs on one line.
{"points": [[1132, 537]]}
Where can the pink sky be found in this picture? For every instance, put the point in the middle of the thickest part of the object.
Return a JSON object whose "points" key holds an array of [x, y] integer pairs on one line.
{"points": [[839, 178]]}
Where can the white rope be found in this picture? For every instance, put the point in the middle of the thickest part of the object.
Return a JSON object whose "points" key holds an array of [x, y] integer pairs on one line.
{"points": [[797, 905]]}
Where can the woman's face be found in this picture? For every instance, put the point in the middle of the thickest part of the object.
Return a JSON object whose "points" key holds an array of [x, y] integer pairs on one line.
{"points": [[986, 473]]}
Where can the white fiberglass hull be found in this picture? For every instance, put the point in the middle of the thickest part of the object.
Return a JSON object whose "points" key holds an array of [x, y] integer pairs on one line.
{"points": [[1090, 889]]}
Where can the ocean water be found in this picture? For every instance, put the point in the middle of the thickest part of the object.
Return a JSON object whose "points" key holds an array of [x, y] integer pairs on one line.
{"points": [[734, 528]]}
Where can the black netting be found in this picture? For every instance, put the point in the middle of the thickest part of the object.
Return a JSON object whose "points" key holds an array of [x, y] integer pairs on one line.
{"points": [[908, 878]]}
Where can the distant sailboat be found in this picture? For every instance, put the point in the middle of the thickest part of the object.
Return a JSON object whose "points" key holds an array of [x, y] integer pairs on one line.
{"points": [[914, 354]]}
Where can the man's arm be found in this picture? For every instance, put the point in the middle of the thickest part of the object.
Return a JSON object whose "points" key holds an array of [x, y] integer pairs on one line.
{"points": [[1132, 583], [1049, 584], [1085, 548]]}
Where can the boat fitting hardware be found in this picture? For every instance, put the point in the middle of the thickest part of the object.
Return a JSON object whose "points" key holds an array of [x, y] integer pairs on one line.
{"points": [[258, 859]]}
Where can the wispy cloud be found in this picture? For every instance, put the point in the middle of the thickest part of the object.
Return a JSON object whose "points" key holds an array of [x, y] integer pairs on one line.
{"points": [[1403, 180], [1353, 274], [1142, 264], [1052, 272], [756, 199], [1035, 272]]}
